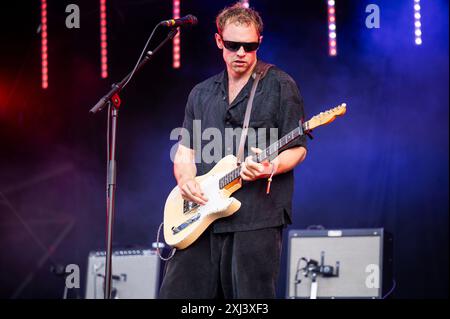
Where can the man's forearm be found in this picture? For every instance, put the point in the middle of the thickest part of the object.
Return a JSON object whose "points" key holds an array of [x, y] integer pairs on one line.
{"points": [[184, 172], [288, 159], [184, 168]]}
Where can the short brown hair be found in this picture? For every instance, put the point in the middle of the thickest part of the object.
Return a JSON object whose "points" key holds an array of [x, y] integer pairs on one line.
{"points": [[240, 14]]}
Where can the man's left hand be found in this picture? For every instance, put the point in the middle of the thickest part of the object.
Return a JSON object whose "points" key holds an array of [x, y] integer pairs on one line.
{"points": [[251, 170]]}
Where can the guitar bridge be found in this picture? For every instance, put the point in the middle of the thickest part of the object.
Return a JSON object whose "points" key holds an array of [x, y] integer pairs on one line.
{"points": [[176, 230]]}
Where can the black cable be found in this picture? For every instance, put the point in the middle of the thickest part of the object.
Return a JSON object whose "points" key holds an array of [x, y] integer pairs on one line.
{"points": [[140, 57], [297, 281]]}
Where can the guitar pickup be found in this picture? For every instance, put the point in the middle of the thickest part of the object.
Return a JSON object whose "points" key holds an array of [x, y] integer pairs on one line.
{"points": [[188, 206]]}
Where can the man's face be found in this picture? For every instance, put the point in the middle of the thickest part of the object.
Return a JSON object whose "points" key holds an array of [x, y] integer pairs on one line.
{"points": [[240, 61]]}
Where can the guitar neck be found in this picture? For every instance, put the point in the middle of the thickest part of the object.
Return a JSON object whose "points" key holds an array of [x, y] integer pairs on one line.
{"points": [[266, 154], [318, 120], [278, 145]]}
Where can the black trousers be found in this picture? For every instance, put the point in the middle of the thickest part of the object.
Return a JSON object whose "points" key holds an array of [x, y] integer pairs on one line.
{"points": [[227, 265]]}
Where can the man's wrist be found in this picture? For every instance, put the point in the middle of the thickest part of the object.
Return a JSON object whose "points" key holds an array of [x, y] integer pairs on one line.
{"points": [[270, 169], [183, 180], [275, 164]]}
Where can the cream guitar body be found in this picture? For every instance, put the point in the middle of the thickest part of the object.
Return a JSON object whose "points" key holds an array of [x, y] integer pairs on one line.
{"points": [[184, 221]]}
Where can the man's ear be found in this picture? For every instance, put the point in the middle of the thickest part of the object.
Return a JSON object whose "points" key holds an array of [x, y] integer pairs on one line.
{"points": [[218, 41]]}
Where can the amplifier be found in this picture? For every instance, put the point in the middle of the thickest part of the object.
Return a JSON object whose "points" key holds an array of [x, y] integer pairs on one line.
{"points": [[135, 274], [346, 263]]}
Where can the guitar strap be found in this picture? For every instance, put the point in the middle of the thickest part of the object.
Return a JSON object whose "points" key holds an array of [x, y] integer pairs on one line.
{"points": [[259, 73]]}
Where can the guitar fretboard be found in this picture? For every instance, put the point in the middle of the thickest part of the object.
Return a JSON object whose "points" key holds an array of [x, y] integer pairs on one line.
{"points": [[265, 154]]}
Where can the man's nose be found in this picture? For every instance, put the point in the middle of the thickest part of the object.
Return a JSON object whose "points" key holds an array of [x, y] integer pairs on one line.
{"points": [[241, 51]]}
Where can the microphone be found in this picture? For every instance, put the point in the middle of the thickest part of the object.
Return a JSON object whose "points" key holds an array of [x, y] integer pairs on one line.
{"points": [[186, 20]]}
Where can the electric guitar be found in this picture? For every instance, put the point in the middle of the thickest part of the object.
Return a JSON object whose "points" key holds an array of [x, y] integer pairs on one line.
{"points": [[185, 221]]}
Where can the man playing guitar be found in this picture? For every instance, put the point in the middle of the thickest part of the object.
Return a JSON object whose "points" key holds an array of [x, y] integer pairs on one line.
{"points": [[238, 256]]}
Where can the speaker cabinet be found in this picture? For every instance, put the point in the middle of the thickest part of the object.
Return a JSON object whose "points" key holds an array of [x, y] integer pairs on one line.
{"points": [[346, 263], [135, 274]]}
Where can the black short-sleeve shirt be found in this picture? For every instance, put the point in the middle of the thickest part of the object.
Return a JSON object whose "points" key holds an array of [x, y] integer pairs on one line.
{"points": [[277, 105]]}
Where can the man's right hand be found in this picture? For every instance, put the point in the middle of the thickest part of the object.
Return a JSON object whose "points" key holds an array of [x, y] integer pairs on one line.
{"points": [[191, 191]]}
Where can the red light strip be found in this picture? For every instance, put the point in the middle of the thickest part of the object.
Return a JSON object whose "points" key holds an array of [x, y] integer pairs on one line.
{"points": [[44, 48], [103, 40], [176, 40]]}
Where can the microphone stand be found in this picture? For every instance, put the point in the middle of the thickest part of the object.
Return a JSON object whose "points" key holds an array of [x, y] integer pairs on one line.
{"points": [[112, 99]]}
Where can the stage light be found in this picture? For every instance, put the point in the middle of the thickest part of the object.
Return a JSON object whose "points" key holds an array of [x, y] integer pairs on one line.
{"points": [[176, 40], [417, 23], [44, 48], [332, 43], [245, 3], [103, 40]]}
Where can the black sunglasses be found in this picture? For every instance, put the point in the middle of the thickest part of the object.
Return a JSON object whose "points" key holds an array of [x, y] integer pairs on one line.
{"points": [[235, 46]]}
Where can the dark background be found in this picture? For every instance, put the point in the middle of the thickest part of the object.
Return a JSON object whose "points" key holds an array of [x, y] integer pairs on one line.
{"points": [[384, 164]]}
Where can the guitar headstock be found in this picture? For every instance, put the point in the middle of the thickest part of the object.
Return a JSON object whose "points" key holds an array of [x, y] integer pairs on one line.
{"points": [[326, 117]]}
